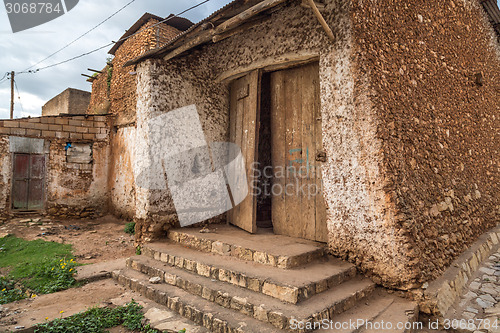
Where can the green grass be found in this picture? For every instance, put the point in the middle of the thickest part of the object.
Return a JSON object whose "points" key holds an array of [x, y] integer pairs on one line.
{"points": [[130, 228], [35, 267], [97, 320]]}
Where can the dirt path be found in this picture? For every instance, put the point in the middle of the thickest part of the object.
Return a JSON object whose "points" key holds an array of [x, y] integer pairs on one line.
{"points": [[25, 313], [93, 241]]}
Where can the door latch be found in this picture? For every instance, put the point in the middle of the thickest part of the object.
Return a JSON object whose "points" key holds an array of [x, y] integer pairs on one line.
{"points": [[321, 156]]}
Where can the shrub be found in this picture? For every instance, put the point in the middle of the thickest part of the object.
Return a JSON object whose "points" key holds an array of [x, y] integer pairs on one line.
{"points": [[130, 228]]}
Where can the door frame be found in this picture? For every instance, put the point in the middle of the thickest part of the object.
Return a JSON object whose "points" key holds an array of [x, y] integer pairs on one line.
{"points": [[44, 182]]}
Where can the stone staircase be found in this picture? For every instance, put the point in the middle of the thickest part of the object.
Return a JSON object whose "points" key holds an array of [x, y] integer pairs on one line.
{"points": [[231, 281]]}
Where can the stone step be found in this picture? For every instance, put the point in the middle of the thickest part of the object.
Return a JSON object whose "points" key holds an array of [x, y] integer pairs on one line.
{"points": [[353, 320], [292, 285], [202, 312], [400, 317], [264, 247], [323, 306]]}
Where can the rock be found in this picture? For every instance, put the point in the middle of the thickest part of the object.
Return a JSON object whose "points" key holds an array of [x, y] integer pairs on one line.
{"points": [[488, 298], [468, 315], [471, 309], [488, 271], [483, 304], [155, 280], [474, 286]]}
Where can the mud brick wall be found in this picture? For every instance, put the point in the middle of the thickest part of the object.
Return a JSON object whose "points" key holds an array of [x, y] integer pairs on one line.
{"points": [[431, 70], [71, 189], [92, 128]]}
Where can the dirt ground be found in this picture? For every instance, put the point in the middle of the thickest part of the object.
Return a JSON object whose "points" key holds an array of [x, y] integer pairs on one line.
{"points": [[93, 240]]}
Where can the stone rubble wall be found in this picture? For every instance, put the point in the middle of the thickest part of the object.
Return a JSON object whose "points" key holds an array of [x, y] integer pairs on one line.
{"points": [[359, 214], [432, 70], [72, 190]]}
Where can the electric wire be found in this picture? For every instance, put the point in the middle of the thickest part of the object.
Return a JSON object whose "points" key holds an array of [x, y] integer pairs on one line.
{"points": [[78, 38], [120, 40]]}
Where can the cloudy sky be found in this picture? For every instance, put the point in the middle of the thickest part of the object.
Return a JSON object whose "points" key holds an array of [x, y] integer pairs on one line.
{"points": [[23, 49]]}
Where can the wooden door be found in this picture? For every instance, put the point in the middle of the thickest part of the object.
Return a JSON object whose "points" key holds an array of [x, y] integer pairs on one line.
{"points": [[243, 124], [27, 181], [298, 208]]}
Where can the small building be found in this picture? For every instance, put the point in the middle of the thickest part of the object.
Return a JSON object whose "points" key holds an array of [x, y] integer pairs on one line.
{"points": [[396, 103], [70, 101]]}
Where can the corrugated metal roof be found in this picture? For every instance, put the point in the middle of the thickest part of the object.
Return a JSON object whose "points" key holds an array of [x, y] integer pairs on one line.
{"points": [[491, 8]]}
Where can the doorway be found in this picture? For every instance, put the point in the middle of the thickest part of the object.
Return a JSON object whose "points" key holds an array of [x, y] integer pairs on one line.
{"points": [[28, 181], [275, 118]]}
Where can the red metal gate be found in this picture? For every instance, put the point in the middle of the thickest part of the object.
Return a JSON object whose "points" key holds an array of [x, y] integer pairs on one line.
{"points": [[27, 181]]}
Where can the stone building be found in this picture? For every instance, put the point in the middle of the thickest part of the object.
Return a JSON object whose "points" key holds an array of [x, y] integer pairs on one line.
{"points": [[114, 92], [70, 101], [62, 163], [401, 111]]}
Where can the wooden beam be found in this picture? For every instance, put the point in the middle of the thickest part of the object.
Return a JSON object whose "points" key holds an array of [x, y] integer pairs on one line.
{"points": [[204, 37], [231, 23], [270, 64], [94, 70], [240, 29], [321, 19], [91, 77], [245, 15]]}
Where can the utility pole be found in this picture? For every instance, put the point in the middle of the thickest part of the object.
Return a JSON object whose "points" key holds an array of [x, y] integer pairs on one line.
{"points": [[12, 94]]}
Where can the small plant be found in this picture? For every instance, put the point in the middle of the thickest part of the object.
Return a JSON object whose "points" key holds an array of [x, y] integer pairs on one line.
{"points": [[98, 320], [55, 275], [9, 292], [130, 228], [138, 250]]}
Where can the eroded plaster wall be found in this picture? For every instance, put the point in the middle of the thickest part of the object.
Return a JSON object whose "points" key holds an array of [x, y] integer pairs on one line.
{"points": [[121, 177], [5, 175], [77, 190]]}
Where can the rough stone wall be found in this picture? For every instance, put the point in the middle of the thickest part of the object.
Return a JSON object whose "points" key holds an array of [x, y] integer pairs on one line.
{"points": [[99, 98], [72, 189], [407, 130], [123, 84], [348, 128], [121, 178], [431, 70], [77, 190]]}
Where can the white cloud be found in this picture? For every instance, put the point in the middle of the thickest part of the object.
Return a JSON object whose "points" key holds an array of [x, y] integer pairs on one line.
{"points": [[20, 50]]}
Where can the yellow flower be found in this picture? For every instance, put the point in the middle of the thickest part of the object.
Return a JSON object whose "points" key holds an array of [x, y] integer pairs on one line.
{"points": [[46, 318], [61, 311], [60, 260], [33, 296], [3, 289], [71, 269], [52, 268]]}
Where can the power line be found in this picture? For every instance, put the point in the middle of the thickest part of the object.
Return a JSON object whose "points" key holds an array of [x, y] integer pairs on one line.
{"points": [[121, 40], [81, 36]]}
